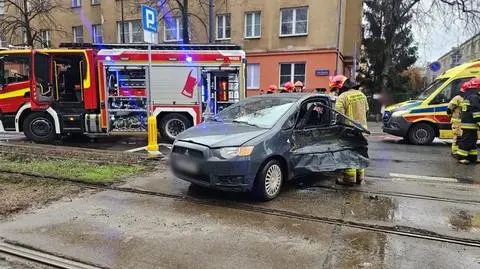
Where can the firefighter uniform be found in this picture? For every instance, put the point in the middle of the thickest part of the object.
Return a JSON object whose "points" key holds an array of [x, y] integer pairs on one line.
{"points": [[453, 112], [354, 104], [470, 121]]}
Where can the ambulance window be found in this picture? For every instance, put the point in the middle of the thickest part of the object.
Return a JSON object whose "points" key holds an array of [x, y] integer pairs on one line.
{"points": [[15, 68], [452, 90]]}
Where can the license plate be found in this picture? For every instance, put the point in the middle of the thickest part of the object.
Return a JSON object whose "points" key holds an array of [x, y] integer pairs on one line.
{"points": [[187, 166]]}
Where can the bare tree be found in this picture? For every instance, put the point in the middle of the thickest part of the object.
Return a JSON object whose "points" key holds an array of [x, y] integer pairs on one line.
{"points": [[25, 19], [467, 11], [172, 8]]}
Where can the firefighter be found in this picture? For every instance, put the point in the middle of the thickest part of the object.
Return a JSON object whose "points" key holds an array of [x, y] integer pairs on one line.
{"points": [[298, 86], [271, 89], [453, 112], [470, 120], [288, 87], [352, 103]]}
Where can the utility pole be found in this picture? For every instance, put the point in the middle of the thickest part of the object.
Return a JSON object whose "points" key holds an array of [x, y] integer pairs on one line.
{"points": [[211, 22], [339, 29], [123, 24]]}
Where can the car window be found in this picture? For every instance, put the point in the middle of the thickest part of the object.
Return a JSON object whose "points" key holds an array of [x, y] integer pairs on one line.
{"points": [[14, 68], [314, 113], [450, 91], [262, 112], [431, 89]]}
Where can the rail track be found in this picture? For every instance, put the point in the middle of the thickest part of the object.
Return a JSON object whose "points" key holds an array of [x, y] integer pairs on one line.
{"points": [[394, 230], [41, 257]]}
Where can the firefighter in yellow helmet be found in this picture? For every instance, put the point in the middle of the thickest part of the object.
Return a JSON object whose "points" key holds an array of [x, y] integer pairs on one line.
{"points": [[453, 111], [352, 103]]}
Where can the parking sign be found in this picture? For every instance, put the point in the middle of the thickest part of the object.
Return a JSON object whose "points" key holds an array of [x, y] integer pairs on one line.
{"points": [[149, 19]]}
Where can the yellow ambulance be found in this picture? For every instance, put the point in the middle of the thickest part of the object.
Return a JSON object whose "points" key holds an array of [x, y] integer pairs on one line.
{"points": [[425, 117]]}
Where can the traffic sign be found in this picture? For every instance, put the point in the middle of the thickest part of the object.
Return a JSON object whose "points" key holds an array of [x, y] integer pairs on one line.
{"points": [[149, 19], [150, 24], [435, 66]]}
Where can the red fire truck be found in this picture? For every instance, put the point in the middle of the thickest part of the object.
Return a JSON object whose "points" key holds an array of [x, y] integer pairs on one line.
{"points": [[103, 89]]}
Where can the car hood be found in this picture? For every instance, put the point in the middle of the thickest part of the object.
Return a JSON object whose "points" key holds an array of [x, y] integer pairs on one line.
{"points": [[403, 106], [217, 135]]}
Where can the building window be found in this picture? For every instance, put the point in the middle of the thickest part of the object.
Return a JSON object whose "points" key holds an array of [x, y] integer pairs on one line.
{"points": [[292, 72], [2, 8], [95, 2], [294, 21], [253, 24], [223, 26], [45, 39], [76, 3], [77, 34], [173, 29], [97, 33], [253, 76], [132, 32]]}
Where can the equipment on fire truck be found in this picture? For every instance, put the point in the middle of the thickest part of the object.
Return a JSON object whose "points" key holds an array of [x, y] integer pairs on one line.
{"points": [[127, 101]]}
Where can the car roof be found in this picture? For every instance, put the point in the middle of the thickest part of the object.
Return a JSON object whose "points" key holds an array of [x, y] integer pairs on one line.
{"points": [[298, 96]]}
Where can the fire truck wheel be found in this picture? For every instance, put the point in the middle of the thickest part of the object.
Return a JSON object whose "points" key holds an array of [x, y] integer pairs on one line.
{"points": [[39, 128], [172, 125]]}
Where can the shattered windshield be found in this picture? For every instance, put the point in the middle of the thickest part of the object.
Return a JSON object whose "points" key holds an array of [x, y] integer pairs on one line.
{"points": [[260, 112], [431, 89]]}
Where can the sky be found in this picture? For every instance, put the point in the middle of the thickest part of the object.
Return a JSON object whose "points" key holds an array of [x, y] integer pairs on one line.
{"points": [[434, 37]]}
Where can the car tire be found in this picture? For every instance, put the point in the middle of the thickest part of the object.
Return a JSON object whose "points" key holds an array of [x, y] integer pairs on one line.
{"points": [[172, 125], [269, 181], [421, 134], [39, 127]]}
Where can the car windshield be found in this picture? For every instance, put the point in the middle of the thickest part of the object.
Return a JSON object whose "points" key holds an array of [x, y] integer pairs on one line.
{"points": [[260, 112], [431, 89]]}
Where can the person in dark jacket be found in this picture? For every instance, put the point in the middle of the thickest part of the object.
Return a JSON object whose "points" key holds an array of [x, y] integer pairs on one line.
{"points": [[470, 122]]}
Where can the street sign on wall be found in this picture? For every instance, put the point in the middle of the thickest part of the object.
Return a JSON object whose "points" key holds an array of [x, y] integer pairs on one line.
{"points": [[150, 24], [322, 72]]}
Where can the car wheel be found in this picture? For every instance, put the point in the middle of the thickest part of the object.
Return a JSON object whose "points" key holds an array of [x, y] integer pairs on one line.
{"points": [[172, 125], [421, 134], [269, 181], [39, 128]]}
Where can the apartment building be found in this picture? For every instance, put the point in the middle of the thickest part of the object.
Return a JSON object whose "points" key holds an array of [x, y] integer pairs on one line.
{"points": [[285, 40], [465, 52]]}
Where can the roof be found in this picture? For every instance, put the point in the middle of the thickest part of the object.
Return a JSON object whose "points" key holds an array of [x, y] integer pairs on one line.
{"points": [[153, 46], [475, 66], [461, 45]]}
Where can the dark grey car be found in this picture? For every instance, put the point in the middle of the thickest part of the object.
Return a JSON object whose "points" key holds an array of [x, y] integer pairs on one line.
{"points": [[259, 143]]}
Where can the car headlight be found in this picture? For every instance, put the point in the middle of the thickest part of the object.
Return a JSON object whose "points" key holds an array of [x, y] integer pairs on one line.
{"points": [[232, 152], [400, 113]]}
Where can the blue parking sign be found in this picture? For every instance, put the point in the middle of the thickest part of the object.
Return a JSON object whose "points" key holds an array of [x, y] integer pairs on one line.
{"points": [[149, 19]]}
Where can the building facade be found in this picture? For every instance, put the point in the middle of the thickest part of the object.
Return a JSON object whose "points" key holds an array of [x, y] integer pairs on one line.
{"points": [[465, 52], [285, 40]]}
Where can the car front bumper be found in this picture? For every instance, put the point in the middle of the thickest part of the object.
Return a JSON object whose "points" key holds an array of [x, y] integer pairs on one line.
{"points": [[236, 175], [397, 126]]}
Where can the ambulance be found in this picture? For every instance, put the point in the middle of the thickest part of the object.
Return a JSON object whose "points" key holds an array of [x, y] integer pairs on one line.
{"points": [[424, 118]]}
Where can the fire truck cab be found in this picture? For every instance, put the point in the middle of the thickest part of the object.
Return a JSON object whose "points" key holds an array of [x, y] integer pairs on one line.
{"points": [[103, 89]]}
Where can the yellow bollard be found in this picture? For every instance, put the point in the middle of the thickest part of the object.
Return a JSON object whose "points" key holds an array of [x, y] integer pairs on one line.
{"points": [[152, 146]]}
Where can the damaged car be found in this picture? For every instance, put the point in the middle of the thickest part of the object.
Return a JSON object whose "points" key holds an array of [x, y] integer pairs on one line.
{"points": [[261, 142]]}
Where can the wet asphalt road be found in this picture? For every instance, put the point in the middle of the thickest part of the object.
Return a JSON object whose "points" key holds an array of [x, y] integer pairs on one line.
{"points": [[421, 188]]}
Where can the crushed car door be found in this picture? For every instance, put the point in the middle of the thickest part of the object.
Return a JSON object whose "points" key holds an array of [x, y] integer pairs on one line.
{"points": [[324, 140]]}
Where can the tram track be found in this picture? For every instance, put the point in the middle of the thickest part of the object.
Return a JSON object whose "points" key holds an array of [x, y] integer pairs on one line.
{"points": [[393, 230], [37, 256]]}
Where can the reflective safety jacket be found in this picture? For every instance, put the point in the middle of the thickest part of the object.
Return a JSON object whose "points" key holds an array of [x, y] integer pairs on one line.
{"points": [[454, 109], [354, 104], [470, 110]]}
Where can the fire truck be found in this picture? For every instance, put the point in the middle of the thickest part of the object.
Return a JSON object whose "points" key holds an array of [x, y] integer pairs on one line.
{"points": [[103, 89]]}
